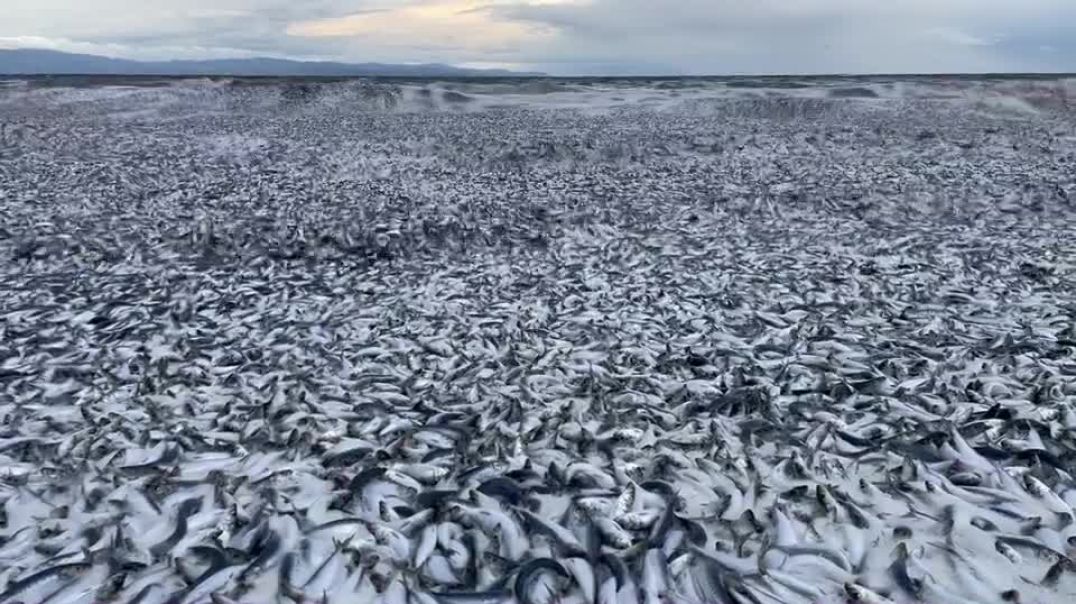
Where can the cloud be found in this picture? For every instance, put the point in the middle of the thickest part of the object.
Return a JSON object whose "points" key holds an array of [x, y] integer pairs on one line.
{"points": [[958, 37], [153, 29], [782, 36], [446, 25], [575, 36]]}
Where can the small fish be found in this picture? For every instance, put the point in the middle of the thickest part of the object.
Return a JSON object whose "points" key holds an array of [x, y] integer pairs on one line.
{"points": [[625, 501], [655, 583], [18, 586], [1046, 494], [857, 594], [530, 574], [186, 509], [583, 573], [1007, 550], [427, 543], [899, 571], [639, 520], [612, 533]]}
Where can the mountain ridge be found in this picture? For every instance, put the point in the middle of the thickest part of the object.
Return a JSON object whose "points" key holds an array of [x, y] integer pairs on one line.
{"points": [[32, 61]]}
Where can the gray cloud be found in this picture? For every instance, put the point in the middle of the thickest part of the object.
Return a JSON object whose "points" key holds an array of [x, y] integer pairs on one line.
{"points": [[156, 29], [577, 36], [721, 36]]}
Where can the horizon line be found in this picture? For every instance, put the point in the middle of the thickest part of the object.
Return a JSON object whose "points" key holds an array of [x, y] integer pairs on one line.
{"points": [[537, 75], [519, 72]]}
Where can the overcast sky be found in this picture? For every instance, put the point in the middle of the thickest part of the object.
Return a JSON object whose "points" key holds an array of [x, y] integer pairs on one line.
{"points": [[572, 37]]}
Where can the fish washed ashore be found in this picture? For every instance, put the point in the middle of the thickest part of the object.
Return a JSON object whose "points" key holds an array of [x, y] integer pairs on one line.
{"points": [[538, 343]]}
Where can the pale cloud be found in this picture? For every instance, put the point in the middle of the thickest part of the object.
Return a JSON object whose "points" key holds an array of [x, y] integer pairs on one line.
{"points": [[573, 36], [793, 36], [955, 36], [443, 24]]}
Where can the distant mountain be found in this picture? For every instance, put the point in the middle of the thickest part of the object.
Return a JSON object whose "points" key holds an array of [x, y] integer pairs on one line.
{"points": [[27, 61]]}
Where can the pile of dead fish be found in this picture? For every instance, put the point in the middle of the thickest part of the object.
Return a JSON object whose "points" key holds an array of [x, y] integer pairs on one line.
{"points": [[766, 361]]}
